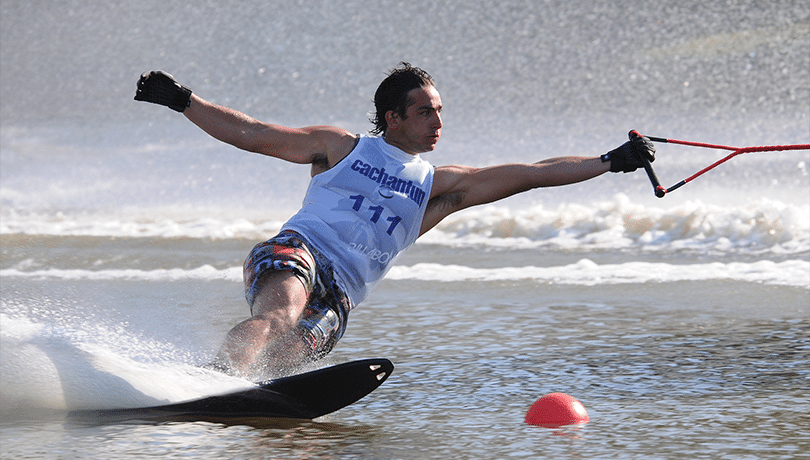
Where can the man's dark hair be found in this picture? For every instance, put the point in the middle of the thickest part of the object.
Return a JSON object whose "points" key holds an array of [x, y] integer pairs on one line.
{"points": [[392, 94]]}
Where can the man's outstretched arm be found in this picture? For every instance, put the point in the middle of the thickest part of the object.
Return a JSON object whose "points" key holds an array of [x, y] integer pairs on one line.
{"points": [[324, 145], [459, 187], [298, 145]]}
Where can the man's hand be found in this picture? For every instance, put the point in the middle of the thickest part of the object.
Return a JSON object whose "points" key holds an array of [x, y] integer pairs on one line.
{"points": [[628, 157], [158, 87]]}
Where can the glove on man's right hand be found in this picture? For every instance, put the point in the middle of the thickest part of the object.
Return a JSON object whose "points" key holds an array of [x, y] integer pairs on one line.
{"points": [[158, 87]]}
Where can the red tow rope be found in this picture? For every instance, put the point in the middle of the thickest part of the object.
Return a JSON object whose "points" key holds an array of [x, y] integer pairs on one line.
{"points": [[661, 191]]}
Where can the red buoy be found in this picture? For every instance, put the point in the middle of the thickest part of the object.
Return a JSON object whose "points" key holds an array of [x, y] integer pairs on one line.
{"points": [[555, 410]]}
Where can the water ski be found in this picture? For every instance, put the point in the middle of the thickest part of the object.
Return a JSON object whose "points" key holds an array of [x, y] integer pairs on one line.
{"points": [[302, 396]]}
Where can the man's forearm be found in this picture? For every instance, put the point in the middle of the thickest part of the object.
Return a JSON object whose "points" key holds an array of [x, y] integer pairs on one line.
{"points": [[569, 170], [222, 123]]}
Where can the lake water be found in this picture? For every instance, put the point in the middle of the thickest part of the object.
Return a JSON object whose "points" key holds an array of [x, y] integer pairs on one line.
{"points": [[682, 324]]}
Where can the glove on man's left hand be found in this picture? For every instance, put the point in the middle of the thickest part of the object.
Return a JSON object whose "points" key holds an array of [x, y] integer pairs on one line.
{"points": [[628, 157]]}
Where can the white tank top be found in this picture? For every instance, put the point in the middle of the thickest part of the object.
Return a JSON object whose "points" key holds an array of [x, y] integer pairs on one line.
{"points": [[364, 211]]}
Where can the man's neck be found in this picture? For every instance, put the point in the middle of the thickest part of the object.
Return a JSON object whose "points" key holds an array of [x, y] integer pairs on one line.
{"points": [[394, 142]]}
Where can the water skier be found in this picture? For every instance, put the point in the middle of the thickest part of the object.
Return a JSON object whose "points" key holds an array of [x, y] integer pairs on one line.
{"points": [[370, 198]]}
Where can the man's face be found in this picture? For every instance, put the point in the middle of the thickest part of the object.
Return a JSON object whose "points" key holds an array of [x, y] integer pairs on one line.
{"points": [[420, 130]]}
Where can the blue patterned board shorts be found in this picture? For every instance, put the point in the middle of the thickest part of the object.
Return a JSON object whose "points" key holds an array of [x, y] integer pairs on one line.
{"points": [[327, 311]]}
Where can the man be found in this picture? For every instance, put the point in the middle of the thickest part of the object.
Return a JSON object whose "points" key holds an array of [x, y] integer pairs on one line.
{"points": [[369, 199]]}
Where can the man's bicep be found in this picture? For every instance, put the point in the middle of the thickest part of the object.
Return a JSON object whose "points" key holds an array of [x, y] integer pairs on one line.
{"points": [[459, 187], [302, 145], [485, 185]]}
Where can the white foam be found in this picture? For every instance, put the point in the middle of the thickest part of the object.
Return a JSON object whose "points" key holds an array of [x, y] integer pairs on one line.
{"points": [[761, 227], [587, 273], [205, 273], [139, 226]]}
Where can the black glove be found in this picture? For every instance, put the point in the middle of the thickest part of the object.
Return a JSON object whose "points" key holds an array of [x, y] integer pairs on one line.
{"points": [[628, 157], [158, 87]]}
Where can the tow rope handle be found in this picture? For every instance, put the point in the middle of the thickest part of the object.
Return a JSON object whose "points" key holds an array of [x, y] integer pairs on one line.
{"points": [[661, 191]]}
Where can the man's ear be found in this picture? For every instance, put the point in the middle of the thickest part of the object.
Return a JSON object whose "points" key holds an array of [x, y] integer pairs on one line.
{"points": [[392, 119]]}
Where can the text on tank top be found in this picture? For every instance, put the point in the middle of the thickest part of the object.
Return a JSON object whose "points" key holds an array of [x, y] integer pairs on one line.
{"points": [[363, 212]]}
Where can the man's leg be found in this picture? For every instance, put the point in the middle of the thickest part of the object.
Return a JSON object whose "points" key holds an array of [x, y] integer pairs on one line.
{"points": [[268, 341]]}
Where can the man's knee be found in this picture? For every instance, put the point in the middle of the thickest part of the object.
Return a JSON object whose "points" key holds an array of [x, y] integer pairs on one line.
{"points": [[280, 294]]}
